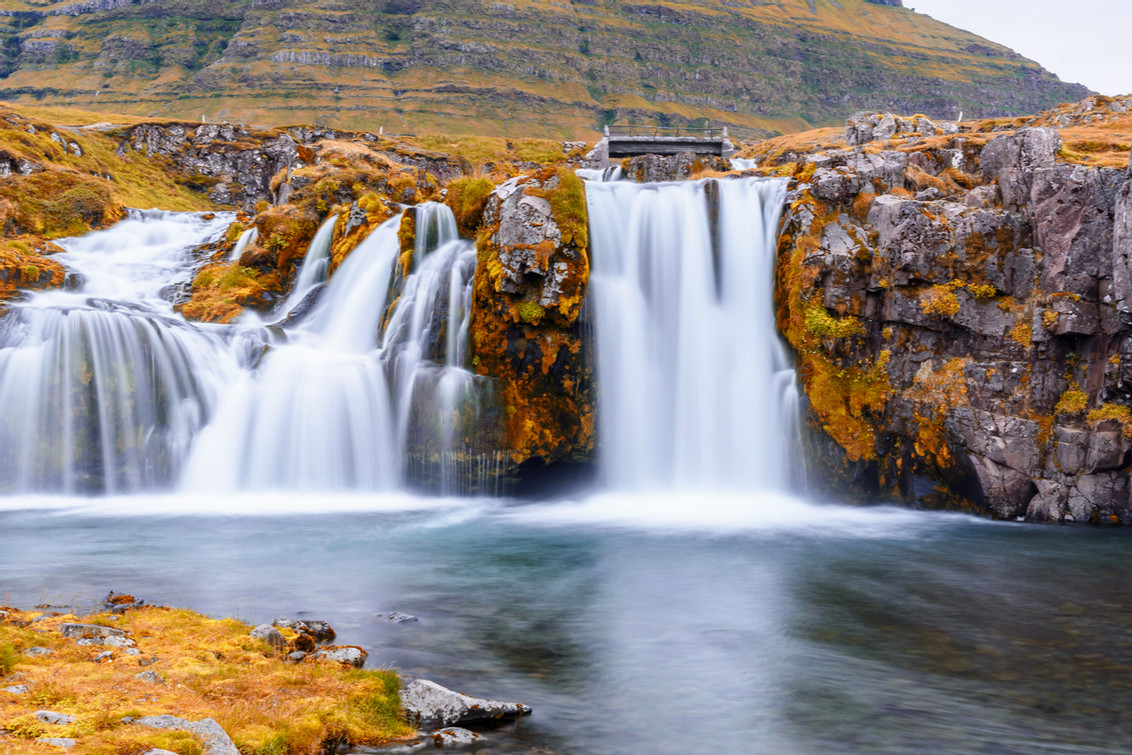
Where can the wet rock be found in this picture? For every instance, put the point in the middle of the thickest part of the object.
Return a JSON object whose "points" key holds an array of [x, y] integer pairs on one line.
{"points": [[655, 168], [120, 602], [401, 618], [296, 656], [1007, 491], [53, 718], [270, 635], [347, 655], [452, 737], [149, 677], [1122, 247], [427, 704], [216, 740], [319, 630]]}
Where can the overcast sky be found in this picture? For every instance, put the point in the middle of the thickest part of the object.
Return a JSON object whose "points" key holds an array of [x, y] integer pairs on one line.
{"points": [[1082, 41]]}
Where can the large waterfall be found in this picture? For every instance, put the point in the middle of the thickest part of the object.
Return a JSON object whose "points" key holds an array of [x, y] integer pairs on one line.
{"points": [[361, 382], [696, 389]]}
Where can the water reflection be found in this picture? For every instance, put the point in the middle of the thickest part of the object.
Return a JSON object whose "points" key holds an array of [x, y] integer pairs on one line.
{"points": [[912, 633]]}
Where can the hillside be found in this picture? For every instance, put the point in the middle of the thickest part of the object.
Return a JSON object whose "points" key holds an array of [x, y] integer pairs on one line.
{"points": [[521, 67]]}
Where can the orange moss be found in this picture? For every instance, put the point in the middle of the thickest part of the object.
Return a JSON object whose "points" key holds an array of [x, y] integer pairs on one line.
{"points": [[220, 292]]}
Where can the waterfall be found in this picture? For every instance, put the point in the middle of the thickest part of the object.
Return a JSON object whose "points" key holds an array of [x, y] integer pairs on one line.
{"points": [[612, 173], [247, 238], [696, 389], [103, 389], [315, 267], [744, 163], [371, 391]]}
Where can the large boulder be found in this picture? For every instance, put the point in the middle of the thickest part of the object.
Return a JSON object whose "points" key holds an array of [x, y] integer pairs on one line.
{"points": [[216, 740], [1012, 159], [429, 705]]}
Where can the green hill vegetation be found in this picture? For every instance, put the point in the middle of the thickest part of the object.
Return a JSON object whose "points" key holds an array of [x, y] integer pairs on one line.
{"points": [[532, 67]]}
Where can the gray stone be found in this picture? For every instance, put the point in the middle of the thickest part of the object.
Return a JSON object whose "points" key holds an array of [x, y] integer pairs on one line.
{"points": [[1049, 505], [150, 677], [296, 656], [216, 740], [158, 751], [401, 618], [270, 635], [17, 689], [53, 718], [89, 631], [1122, 248], [453, 736], [106, 655], [427, 704], [1106, 451], [886, 128], [65, 742], [1006, 490], [1073, 209], [132, 651], [34, 651], [1012, 160], [348, 655]]}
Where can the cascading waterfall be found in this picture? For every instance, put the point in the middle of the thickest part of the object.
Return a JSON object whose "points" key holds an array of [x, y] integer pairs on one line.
{"points": [[247, 238], [315, 267], [104, 388], [696, 388], [370, 392]]}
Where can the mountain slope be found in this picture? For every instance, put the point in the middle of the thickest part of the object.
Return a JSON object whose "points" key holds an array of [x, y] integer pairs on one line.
{"points": [[513, 66]]}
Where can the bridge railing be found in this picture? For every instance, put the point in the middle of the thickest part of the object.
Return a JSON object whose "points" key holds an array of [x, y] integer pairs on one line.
{"points": [[666, 132]]}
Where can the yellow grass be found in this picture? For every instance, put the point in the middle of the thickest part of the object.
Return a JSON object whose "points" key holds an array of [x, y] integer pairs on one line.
{"points": [[212, 668]]}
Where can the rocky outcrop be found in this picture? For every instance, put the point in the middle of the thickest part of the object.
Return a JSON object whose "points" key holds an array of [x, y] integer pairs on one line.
{"points": [[429, 705], [960, 311], [527, 328], [216, 740]]}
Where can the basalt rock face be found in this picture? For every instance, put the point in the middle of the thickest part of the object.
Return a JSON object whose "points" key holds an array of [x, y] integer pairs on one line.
{"points": [[961, 307], [469, 67], [527, 327]]}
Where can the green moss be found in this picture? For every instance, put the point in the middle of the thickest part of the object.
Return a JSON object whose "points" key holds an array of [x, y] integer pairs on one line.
{"points": [[823, 325], [1073, 401], [467, 197], [568, 203], [531, 312]]}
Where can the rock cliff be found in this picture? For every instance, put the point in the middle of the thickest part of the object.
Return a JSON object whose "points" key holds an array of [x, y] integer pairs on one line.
{"points": [[960, 306], [521, 66]]}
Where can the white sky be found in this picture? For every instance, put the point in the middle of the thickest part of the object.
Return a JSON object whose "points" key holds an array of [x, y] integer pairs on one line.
{"points": [[1082, 41]]}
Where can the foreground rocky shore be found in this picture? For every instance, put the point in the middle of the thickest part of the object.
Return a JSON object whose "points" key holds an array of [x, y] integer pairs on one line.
{"points": [[134, 678]]}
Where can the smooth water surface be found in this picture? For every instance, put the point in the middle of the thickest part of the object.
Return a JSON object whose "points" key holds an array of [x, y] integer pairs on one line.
{"points": [[651, 624]]}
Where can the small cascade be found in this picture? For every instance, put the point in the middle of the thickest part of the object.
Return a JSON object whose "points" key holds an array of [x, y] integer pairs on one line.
{"points": [[103, 389], [371, 392], [435, 226], [315, 267], [744, 163], [612, 173], [247, 238], [696, 388]]}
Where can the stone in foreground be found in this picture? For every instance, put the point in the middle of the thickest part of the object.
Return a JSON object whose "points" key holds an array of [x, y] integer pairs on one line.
{"points": [[428, 705], [216, 740], [347, 655]]}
